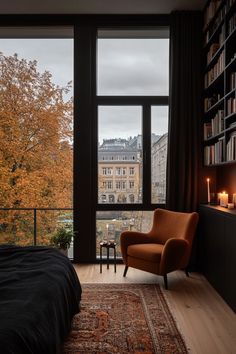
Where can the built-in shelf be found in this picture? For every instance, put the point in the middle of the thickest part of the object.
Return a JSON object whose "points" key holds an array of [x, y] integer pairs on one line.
{"points": [[220, 149], [220, 209]]}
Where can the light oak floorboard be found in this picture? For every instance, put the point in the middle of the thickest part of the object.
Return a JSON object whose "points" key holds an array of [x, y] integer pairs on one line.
{"points": [[206, 322]]}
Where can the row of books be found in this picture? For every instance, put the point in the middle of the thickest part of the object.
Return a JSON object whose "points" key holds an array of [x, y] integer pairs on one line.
{"points": [[231, 148], [215, 126], [231, 105], [217, 69], [216, 23], [213, 48], [232, 24], [214, 154], [211, 101], [211, 10], [232, 81]]}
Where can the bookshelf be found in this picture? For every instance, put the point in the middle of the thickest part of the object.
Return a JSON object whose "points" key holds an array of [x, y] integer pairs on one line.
{"points": [[219, 122]]}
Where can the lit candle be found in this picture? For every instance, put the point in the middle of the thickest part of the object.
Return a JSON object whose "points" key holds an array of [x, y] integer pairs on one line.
{"points": [[208, 191], [224, 199]]}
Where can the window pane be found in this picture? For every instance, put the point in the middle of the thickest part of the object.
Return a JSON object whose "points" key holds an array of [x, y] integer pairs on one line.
{"points": [[132, 66], [159, 123], [36, 127], [110, 224], [119, 154]]}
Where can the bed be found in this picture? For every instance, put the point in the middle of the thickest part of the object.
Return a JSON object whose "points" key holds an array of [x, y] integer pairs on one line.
{"points": [[39, 295]]}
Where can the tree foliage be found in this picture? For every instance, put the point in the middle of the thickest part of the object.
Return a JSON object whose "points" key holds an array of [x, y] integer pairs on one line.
{"points": [[35, 141], [35, 135]]}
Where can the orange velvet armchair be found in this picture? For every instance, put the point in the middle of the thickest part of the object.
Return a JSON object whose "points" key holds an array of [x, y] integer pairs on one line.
{"points": [[165, 248]]}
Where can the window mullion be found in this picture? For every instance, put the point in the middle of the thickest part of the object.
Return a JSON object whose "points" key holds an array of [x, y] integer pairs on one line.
{"points": [[146, 155]]}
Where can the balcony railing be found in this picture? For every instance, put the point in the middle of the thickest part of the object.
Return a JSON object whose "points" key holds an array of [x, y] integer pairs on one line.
{"points": [[35, 227]]}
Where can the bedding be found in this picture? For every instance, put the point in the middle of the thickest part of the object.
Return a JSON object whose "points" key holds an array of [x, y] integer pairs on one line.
{"points": [[39, 295]]}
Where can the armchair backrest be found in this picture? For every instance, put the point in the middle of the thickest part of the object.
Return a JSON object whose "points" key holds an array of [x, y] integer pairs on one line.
{"points": [[168, 224]]}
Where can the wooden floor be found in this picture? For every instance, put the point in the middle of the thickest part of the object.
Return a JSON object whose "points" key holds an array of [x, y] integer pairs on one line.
{"points": [[205, 321]]}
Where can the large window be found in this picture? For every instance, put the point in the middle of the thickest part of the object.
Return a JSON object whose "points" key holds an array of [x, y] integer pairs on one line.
{"points": [[132, 106], [36, 132], [83, 128]]}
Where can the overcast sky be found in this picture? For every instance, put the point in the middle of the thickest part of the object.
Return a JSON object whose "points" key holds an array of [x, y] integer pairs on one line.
{"points": [[54, 55], [125, 67]]}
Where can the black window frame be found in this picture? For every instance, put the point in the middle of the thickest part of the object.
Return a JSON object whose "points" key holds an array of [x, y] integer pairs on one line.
{"points": [[85, 190]]}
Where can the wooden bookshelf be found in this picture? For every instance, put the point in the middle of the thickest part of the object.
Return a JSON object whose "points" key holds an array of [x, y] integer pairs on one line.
{"points": [[219, 122]]}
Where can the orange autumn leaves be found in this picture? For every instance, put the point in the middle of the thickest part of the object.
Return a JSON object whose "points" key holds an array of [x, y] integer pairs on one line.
{"points": [[35, 137]]}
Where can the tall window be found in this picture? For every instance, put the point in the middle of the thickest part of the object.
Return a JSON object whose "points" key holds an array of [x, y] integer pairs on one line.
{"points": [[114, 145], [36, 132], [132, 86]]}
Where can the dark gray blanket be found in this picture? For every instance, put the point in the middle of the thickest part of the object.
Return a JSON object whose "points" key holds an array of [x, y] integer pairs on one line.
{"points": [[39, 295]]}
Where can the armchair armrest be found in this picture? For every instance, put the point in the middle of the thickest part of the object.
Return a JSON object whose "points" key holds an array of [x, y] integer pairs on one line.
{"points": [[174, 255], [128, 238]]}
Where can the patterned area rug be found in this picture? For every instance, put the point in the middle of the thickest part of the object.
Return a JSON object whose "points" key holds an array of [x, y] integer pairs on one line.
{"points": [[120, 318]]}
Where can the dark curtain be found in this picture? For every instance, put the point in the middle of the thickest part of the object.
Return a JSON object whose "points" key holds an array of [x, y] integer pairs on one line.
{"points": [[185, 111]]}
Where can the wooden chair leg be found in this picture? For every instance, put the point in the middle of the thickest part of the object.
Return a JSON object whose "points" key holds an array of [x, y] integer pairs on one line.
{"points": [[125, 271], [166, 281]]}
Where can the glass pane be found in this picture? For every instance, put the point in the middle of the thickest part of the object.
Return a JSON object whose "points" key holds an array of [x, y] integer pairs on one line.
{"points": [[159, 124], [119, 154], [132, 66], [18, 226], [36, 126], [110, 224]]}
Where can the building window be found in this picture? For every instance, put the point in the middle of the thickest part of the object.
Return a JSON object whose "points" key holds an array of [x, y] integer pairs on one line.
{"points": [[118, 171], [109, 185], [121, 198], [118, 185], [131, 198], [107, 171], [103, 198], [111, 198], [131, 184], [131, 171]]}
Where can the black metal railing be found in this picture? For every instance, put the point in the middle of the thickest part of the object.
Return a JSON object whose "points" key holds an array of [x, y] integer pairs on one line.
{"points": [[35, 211]]}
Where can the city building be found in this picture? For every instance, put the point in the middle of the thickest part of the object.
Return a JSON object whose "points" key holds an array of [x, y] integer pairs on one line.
{"points": [[159, 160], [119, 171]]}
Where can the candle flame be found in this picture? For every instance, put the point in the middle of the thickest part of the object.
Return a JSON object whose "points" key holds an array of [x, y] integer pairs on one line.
{"points": [[208, 179]]}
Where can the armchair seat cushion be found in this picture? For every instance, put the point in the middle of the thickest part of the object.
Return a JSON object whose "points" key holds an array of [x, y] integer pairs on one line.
{"points": [[149, 252]]}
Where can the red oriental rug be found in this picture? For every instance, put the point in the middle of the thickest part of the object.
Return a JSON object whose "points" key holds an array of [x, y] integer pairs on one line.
{"points": [[124, 318]]}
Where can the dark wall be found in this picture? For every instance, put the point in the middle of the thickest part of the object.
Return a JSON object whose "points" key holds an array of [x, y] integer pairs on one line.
{"points": [[226, 179]]}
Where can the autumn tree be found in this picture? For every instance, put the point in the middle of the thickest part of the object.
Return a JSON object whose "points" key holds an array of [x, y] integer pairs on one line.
{"points": [[35, 137]]}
